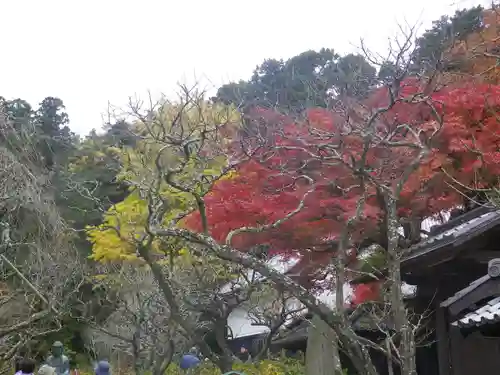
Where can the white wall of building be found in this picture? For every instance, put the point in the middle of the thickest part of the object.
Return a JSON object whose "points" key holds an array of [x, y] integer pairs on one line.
{"points": [[240, 324]]}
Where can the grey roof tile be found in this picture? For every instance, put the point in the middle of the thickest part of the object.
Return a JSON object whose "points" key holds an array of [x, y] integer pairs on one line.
{"points": [[489, 313], [455, 235]]}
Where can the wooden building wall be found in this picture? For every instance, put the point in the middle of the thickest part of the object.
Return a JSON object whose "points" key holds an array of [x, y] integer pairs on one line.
{"points": [[474, 354]]}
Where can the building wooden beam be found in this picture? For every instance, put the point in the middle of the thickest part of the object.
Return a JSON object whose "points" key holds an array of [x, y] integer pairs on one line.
{"points": [[482, 257], [443, 342]]}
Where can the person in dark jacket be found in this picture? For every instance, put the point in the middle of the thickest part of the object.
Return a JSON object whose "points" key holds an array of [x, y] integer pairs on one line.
{"points": [[17, 363], [26, 367], [244, 355], [23, 353]]}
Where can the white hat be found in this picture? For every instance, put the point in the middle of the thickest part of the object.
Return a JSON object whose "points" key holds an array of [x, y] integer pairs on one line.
{"points": [[46, 370]]}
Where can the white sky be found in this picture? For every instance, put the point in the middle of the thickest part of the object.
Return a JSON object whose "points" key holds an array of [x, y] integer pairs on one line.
{"points": [[94, 51]]}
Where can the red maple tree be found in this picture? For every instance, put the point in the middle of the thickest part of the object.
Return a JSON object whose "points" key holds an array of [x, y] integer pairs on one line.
{"points": [[321, 157]]}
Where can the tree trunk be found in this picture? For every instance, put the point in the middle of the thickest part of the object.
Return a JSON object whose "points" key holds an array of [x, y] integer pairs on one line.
{"points": [[402, 324], [322, 356], [225, 363]]}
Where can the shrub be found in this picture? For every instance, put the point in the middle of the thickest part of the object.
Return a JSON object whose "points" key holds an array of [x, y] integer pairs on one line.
{"points": [[283, 366]]}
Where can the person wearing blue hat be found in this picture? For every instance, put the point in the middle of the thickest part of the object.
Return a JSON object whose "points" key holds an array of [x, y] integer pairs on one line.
{"points": [[190, 360], [103, 368]]}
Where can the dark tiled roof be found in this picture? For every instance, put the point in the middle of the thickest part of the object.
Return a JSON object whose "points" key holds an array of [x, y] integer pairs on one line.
{"points": [[461, 218], [472, 286], [454, 236], [489, 313], [449, 235]]}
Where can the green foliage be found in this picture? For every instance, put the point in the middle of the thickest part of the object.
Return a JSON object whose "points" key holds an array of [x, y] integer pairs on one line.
{"points": [[44, 129], [374, 262], [308, 79], [88, 186], [55, 140], [47, 127], [444, 32], [281, 366], [276, 366], [266, 367]]}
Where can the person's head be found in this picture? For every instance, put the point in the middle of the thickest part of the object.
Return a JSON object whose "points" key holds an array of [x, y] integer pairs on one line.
{"points": [[57, 349], [102, 368], [27, 366], [193, 351], [46, 370], [17, 363]]}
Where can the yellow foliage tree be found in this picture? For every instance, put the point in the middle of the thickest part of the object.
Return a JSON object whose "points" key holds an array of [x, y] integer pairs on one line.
{"points": [[181, 145]]}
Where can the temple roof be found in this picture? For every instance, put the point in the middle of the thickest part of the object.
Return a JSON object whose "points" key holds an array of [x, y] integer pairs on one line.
{"points": [[488, 313]]}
